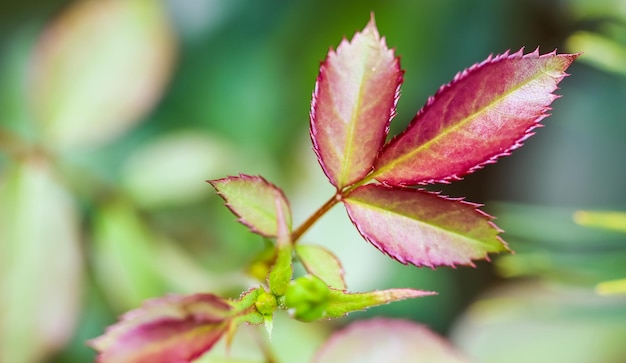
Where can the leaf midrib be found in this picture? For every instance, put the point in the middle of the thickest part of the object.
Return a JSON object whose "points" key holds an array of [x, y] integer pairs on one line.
{"points": [[433, 226], [451, 129]]}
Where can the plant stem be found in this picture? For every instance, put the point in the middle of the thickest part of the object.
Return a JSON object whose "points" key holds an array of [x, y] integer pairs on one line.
{"points": [[314, 217]]}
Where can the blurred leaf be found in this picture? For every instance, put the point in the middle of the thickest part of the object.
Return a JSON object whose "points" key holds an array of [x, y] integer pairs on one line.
{"points": [[256, 202], [170, 170], [322, 263], [292, 342], [40, 262], [124, 256], [597, 8], [610, 220], [354, 100], [551, 227], [599, 51], [549, 244], [165, 330], [14, 109], [261, 264], [612, 287], [421, 227], [98, 69], [486, 112], [387, 340], [190, 275], [538, 322]]}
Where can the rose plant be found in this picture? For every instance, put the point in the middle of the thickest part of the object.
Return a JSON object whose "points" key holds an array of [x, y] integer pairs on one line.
{"points": [[484, 113]]}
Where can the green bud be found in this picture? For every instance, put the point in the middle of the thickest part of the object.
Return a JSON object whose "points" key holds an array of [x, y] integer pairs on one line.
{"points": [[265, 303], [307, 298]]}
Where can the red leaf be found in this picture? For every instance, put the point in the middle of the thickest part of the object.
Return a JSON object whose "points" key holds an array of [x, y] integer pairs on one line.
{"points": [[389, 341], [486, 112], [354, 100], [166, 330], [422, 228]]}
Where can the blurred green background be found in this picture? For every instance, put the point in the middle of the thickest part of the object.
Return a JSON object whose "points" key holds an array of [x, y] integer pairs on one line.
{"points": [[114, 113]]}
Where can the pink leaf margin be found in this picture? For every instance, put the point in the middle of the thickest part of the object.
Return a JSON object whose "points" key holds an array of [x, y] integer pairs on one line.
{"points": [[278, 194], [460, 76], [181, 327], [404, 259], [315, 132]]}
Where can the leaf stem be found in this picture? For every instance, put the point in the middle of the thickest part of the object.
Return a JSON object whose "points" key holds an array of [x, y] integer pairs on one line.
{"points": [[314, 217]]}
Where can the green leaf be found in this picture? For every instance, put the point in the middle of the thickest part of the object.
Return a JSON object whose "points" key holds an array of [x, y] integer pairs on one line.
{"points": [[612, 287], [600, 51], [164, 172], [609, 220], [536, 321], [422, 228], [308, 298], [256, 202], [341, 303], [40, 262], [125, 256], [98, 69], [322, 263]]}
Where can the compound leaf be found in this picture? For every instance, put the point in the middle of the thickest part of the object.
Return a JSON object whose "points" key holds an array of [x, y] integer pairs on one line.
{"points": [[387, 340]]}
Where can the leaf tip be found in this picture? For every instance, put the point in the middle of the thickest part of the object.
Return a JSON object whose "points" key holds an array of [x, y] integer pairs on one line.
{"points": [[371, 24]]}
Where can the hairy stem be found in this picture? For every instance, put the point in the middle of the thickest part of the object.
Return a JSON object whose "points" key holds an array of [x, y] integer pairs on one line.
{"points": [[314, 217]]}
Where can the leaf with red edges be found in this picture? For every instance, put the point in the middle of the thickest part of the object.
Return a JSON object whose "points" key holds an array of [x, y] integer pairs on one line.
{"points": [[353, 103], [167, 329], [255, 201], [389, 341], [486, 112], [421, 227]]}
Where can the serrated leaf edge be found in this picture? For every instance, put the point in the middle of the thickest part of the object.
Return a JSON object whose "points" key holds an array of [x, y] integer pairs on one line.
{"points": [[459, 77], [475, 207], [240, 219], [371, 26]]}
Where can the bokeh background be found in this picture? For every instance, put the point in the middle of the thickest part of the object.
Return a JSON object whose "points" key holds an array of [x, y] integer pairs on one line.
{"points": [[114, 113]]}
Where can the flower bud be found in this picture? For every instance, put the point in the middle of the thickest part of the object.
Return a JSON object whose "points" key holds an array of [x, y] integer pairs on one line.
{"points": [[307, 298]]}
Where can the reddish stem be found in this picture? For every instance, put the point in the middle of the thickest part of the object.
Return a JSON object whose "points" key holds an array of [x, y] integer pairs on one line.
{"points": [[314, 217]]}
